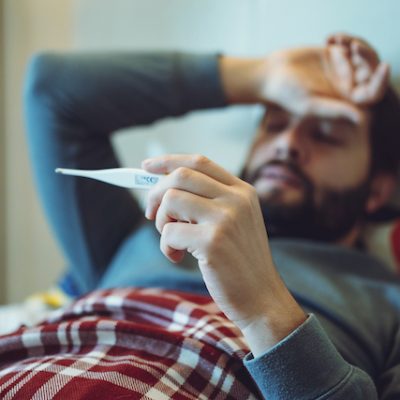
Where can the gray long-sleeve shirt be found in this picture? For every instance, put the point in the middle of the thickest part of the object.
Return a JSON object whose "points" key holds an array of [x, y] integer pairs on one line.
{"points": [[349, 347]]}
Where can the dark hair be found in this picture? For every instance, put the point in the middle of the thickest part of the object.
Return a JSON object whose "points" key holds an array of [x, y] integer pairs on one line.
{"points": [[385, 134]]}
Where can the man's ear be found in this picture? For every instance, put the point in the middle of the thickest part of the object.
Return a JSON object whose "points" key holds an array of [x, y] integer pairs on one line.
{"points": [[382, 188]]}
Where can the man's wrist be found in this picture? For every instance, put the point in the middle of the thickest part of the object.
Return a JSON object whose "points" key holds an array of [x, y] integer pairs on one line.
{"points": [[242, 78], [266, 331]]}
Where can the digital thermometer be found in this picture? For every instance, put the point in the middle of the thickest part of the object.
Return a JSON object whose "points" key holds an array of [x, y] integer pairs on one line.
{"points": [[133, 178]]}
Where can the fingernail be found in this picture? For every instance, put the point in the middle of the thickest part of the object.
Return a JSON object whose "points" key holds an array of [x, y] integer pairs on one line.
{"points": [[147, 213]]}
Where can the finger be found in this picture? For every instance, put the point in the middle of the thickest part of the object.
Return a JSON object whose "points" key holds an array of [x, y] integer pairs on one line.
{"points": [[373, 90], [168, 163], [357, 60], [344, 39], [355, 45], [362, 75], [363, 72], [364, 60], [178, 205], [172, 244], [339, 38], [184, 179], [342, 70], [365, 51], [178, 237]]}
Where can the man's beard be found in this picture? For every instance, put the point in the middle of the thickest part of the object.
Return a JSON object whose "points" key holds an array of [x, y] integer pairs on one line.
{"points": [[330, 220]]}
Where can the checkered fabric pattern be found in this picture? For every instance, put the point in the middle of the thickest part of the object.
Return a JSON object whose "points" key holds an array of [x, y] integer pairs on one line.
{"points": [[128, 344]]}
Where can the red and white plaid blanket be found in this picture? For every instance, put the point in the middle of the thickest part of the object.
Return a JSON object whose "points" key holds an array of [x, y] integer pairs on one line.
{"points": [[128, 344]]}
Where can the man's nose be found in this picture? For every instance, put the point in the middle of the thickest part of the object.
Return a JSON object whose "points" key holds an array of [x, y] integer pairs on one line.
{"points": [[290, 146]]}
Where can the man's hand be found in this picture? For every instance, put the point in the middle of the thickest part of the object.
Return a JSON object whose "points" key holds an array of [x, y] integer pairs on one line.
{"points": [[294, 79], [355, 69], [201, 208], [310, 78]]}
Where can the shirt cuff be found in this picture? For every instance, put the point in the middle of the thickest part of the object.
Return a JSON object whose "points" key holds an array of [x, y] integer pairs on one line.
{"points": [[304, 365]]}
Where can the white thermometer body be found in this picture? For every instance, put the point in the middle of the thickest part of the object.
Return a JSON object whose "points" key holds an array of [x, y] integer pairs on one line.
{"points": [[133, 178]]}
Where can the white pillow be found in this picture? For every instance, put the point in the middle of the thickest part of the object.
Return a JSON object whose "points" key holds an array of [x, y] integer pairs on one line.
{"points": [[383, 241]]}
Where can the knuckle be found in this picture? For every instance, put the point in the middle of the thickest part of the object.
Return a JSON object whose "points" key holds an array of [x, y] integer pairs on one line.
{"points": [[226, 215], [226, 224], [215, 242], [246, 195], [251, 193], [200, 161], [242, 201], [166, 231], [170, 195], [182, 174]]}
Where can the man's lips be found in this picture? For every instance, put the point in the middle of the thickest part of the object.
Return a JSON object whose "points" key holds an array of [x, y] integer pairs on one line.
{"points": [[281, 174]]}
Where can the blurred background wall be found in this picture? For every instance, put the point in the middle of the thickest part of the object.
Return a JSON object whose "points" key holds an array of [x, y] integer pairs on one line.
{"points": [[30, 257], [2, 164]]}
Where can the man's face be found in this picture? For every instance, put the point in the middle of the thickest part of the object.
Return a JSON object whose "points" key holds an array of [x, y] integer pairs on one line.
{"points": [[311, 172]]}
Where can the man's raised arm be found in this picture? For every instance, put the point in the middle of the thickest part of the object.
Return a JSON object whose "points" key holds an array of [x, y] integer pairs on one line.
{"points": [[73, 104]]}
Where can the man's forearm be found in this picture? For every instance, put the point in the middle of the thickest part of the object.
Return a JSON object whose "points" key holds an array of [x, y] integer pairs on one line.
{"points": [[242, 78]]}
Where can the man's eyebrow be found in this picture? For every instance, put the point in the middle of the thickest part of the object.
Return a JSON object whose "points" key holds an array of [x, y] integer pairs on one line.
{"points": [[331, 109], [321, 107], [342, 120]]}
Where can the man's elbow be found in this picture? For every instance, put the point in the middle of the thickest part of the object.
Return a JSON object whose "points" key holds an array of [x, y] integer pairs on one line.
{"points": [[43, 76]]}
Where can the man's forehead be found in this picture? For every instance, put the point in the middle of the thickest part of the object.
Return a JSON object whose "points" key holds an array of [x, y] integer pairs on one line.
{"points": [[308, 90], [326, 109]]}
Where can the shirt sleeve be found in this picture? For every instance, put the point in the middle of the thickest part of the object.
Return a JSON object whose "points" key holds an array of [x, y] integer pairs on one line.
{"points": [[388, 382], [114, 90], [306, 365]]}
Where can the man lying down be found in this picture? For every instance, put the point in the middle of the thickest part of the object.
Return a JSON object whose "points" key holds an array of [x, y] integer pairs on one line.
{"points": [[231, 288]]}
